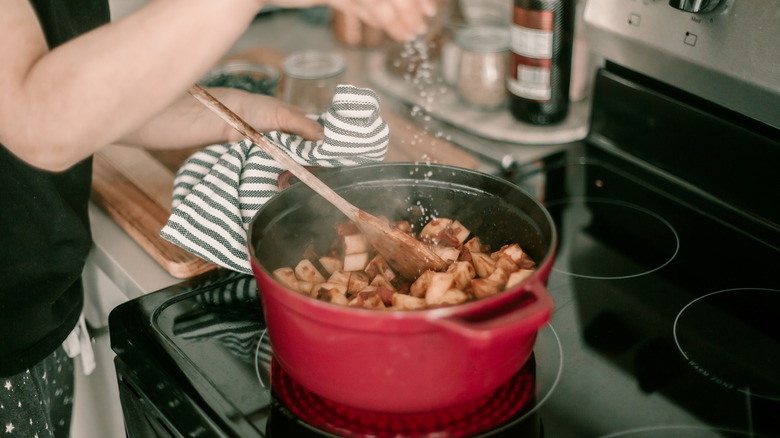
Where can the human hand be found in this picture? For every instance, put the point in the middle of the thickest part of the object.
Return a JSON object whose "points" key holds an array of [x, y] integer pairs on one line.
{"points": [[401, 19], [266, 113], [188, 123]]}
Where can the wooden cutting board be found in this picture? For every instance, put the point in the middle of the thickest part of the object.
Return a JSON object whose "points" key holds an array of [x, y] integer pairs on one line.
{"points": [[134, 186]]}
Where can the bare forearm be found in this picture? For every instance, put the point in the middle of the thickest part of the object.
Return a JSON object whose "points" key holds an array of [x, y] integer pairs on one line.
{"points": [[185, 123], [95, 89], [188, 123]]}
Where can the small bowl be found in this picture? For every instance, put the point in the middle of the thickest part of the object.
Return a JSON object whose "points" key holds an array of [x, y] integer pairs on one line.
{"points": [[243, 75]]}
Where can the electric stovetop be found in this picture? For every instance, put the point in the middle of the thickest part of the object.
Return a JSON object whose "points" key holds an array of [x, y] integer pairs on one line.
{"points": [[665, 324]]}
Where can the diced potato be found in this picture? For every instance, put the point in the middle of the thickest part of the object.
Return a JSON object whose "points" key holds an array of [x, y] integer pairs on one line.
{"points": [[353, 297], [499, 275], [418, 288], [354, 244], [513, 251], [516, 254], [374, 302], [358, 280], [318, 288], [332, 296], [286, 276], [440, 283], [431, 230], [331, 264], [380, 281], [378, 266], [527, 262], [407, 302], [306, 271], [475, 245], [369, 300], [355, 262], [482, 287], [483, 264], [339, 299], [517, 277], [463, 272], [459, 231], [505, 263], [453, 296], [339, 277], [304, 287], [447, 253]]}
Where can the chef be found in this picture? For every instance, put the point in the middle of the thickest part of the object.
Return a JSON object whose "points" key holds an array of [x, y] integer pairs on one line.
{"points": [[71, 83]]}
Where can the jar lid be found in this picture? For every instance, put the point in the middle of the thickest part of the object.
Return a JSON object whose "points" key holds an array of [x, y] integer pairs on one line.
{"points": [[313, 65], [483, 39]]}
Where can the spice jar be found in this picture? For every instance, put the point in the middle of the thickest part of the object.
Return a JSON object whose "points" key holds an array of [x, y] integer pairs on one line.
{"points": [[481, 73], [311, 78]]}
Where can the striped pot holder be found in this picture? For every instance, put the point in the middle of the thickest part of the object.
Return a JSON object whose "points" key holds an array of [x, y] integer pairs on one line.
{"points": [[219, 189]]}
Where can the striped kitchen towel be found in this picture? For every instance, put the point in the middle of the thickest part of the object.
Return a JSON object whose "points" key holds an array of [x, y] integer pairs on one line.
{"points": [[219, 189]]}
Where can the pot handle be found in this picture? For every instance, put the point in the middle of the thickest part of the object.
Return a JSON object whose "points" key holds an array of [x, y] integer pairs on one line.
{"points": [[522, 314]]}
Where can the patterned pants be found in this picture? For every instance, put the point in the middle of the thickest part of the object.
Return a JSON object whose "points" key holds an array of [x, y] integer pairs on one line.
{"points": [[38, 403]]}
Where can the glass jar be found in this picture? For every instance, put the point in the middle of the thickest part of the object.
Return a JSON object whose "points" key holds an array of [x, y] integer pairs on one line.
{"points": [[482, 66], [311, 78]]}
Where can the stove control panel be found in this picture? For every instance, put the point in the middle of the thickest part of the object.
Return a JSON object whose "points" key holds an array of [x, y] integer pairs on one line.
{"points": [[722, 50], [694, 6]]}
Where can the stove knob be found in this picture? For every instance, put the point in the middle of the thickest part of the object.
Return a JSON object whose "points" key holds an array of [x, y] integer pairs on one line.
{"points": [[694, 6]]}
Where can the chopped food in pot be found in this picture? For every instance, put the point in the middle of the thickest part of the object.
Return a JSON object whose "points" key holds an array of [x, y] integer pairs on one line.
{"points": [[352, 274]]}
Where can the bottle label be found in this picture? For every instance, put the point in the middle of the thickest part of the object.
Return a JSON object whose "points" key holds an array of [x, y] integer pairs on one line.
{"points": [[531, 58]]}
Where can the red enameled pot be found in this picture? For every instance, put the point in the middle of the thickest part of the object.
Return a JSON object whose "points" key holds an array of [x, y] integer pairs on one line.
{"points": [[403, 361]]}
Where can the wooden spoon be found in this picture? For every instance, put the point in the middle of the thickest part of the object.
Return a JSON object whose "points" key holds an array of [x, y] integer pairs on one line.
{"points": [[407, 255]]}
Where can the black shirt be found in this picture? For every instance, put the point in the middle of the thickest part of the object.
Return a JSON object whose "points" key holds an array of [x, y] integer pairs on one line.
{"points": [[44, 226]]}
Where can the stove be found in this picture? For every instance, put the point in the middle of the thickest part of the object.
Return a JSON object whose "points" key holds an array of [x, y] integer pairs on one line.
{"points": [[665, 283]]}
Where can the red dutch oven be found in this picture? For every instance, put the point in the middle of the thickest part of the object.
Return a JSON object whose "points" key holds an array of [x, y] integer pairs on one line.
{"points": [[403, 361]]}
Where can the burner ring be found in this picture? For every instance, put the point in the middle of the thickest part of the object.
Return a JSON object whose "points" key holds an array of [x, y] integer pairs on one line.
{"points": [[634, 212], [679, 431], [718, 368], [263, 364], [542, 383]]}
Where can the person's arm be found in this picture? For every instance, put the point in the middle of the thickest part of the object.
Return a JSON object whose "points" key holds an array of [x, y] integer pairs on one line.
{"points": [[187, 122], [60, 106]]}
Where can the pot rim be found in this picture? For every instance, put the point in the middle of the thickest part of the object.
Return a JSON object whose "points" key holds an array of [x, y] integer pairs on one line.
{"points": [[543, 266]]}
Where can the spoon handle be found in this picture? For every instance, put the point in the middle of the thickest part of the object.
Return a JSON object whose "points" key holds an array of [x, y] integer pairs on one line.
{"points": [[280, 156]]}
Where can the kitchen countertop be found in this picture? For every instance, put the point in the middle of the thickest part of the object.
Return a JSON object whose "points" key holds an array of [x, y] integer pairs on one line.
{"points": [[134, 273]]}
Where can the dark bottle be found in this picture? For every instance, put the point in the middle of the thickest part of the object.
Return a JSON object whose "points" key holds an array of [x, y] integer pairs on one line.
{"points": [[540, 60]]}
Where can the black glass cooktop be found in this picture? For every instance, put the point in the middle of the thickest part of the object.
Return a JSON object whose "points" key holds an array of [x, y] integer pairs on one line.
{"points": [[666, 324]]}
